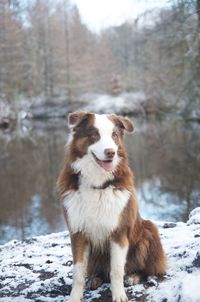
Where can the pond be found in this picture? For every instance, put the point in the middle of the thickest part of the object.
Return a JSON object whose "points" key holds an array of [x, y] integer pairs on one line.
{"points": [[163, 154]]}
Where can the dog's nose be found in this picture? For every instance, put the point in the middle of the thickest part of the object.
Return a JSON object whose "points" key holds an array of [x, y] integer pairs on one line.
{"points": [[110, 153]]}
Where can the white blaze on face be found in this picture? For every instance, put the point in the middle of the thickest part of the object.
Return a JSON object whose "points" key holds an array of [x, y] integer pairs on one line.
{"points": [[105, 128]]}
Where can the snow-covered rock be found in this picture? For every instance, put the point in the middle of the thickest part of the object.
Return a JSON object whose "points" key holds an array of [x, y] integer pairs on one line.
{"points": [[194, 217], [40, 268]]}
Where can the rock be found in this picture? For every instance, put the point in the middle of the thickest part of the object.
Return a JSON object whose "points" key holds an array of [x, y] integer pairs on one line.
{"points": [[8, 116], [196, 261]]}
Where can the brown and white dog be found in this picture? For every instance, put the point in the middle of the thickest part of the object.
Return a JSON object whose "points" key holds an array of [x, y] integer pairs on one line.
{"points": [[109, 239]]}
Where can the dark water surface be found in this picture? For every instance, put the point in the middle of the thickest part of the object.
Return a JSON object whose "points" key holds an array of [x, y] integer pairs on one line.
{"points": [[164, 155]]}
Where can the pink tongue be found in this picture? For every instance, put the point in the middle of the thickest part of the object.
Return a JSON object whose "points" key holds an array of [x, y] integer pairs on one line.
{"points": [[108, 166]]}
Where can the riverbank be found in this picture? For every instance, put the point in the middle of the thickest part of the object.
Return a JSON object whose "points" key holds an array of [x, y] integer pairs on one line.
{"points": [[41, 108], [40, 268], [125, 103]]}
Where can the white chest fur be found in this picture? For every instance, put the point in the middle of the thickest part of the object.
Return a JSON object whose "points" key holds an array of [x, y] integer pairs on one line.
{"points": [[95, 212]]}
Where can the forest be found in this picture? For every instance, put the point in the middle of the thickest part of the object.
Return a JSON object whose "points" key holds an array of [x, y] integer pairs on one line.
{"points": [[47, 52]]}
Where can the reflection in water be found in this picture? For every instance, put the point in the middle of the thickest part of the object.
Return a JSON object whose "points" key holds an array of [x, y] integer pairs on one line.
{"points": [[166, 161], [29, 166], [164, 155]]}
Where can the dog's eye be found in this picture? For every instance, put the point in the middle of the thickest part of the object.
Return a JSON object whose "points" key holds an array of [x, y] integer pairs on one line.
{"points": [[94, 135], [114, 134]]}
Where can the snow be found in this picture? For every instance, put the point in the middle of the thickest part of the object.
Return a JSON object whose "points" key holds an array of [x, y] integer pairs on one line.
{"points": [[190, 287], [40, 268], [39, 108], [125, 103]]}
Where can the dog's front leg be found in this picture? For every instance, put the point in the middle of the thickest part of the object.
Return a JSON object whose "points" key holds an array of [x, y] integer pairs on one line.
{"points": [[80, 249], [118, 259]]}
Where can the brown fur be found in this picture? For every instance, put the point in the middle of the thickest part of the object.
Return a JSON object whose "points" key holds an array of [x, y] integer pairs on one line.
{"points": [[145, 255], [79, 243]]}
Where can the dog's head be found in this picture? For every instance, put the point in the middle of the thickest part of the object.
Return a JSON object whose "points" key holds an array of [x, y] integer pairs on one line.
{"points": [[99, 138]]}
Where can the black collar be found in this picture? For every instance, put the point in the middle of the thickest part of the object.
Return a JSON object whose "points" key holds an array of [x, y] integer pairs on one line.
{"points": [[105, 185]]}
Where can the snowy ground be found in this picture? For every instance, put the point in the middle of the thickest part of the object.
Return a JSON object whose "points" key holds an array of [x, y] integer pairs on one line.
{"points": [[40, 269]]}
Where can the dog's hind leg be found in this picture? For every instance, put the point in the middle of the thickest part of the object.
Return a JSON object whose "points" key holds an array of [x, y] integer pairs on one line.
{"points": [[146, 257], [132, 279], [155, 259]]}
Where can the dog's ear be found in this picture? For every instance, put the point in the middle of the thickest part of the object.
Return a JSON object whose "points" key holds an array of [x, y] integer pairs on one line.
{"points": [[123, 122], [127, 123], [75, 118]]}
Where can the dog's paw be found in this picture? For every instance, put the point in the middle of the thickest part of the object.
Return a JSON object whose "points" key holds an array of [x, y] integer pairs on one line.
{"points": [[132, 279], [120, 298], [93, 283], [75, 297]]}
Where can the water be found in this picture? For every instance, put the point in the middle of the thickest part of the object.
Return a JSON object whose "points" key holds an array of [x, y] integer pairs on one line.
{"points": [[163, 154]]}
